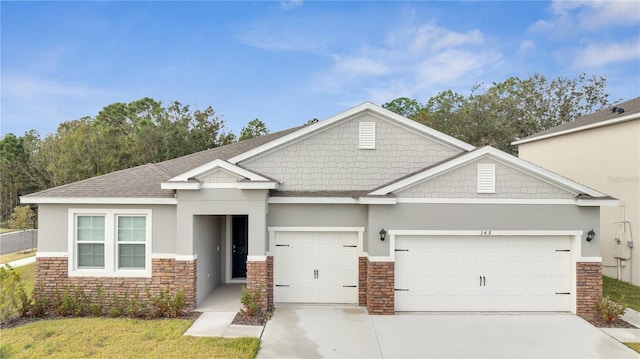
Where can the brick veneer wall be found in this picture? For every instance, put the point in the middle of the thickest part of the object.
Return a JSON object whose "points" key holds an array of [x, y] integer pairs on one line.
{"points": [[588, 288], [270, 282], [362, 281], [257, 280], [380, 284], [52, 274]]}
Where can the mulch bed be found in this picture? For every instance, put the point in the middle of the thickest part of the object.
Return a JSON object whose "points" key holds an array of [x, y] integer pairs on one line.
{"points": [[20, 321], [618, 323], [243, 319]]}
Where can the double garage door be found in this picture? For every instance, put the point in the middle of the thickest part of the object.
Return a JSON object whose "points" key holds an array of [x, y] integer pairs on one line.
{"points": [[316, 267], [482, 273]]}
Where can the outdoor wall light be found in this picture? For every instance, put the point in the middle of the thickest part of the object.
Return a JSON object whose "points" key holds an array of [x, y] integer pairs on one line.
{"points": [[383, 234], [591, 235]]}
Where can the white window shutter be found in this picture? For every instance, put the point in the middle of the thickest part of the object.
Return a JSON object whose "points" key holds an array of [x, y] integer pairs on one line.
{"points": [[367, 135], [486, 178]]}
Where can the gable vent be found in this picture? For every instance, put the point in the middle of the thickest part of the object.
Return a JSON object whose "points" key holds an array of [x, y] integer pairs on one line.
{"points": [[367, 135], [486, 178]]}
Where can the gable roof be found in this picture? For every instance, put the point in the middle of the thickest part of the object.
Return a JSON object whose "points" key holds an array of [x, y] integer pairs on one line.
{"points": [[143, 182], [367, 106], [604, 117], [460, 160]]}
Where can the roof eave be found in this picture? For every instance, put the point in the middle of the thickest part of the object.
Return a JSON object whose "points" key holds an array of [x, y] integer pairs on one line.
{"points": [[97, 200]]}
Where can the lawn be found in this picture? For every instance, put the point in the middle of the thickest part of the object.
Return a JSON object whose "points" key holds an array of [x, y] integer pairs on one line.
{"points": [[4, 258], [617, 290], [6, 230], [118, 338]]}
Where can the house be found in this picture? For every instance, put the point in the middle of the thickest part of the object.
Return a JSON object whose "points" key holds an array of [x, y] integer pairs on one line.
{"points": [[366, 207], [601, 150]]}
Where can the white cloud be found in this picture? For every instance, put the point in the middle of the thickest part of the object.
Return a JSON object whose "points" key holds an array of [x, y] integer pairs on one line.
{"points": [[600, 54], [290, 4], [569, 17], [526, 46], [414, 61]]}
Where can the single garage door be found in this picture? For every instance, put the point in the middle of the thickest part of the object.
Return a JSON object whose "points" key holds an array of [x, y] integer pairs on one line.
{"points": [[316, 267], [482, 273]]}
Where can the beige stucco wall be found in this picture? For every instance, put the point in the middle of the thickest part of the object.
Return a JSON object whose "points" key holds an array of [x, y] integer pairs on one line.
{"points": [[608, 160]]}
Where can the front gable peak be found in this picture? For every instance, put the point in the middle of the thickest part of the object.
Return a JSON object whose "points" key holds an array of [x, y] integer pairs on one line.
{"points": [[219, 174]]}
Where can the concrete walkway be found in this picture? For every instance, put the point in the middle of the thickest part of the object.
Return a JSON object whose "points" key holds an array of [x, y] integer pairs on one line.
{"points": [[627, 335], [218, 311], [349, 332], [20, 262]]}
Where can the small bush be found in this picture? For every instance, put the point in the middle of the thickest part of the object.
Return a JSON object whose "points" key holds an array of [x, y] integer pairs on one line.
{"points": [[40, 303], [12, 293], [249, 300], [117, 307], [96, 308], [610, 310]]}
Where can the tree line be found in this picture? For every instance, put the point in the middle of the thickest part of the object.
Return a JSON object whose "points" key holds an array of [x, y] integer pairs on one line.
{"points": [[121, 135], [124, 135]]}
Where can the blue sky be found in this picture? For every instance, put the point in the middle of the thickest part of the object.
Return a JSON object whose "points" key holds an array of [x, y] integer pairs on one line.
{"points": [[288, 62]]}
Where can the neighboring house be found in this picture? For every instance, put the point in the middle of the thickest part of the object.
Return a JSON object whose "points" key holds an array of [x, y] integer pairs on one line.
{"points": [[601, 150], [366, 207]]}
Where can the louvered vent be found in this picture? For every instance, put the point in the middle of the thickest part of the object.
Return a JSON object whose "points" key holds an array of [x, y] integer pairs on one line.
{"points": [[367, 135], [486, 178]]}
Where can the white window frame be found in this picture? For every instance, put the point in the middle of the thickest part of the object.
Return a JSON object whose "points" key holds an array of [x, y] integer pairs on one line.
{"points": [[110, 243], [78, 243]]}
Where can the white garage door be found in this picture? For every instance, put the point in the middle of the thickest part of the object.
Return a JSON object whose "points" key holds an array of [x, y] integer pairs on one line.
{"points": [[316, 267], [482, 273]]}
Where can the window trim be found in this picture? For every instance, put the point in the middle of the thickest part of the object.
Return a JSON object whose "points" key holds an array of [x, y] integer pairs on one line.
{"points": [[78, 243], [110, 243]]}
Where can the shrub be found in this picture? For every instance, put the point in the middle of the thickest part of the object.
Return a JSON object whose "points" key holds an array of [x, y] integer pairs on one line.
{"points": [[96, 308], [40, 303], [610, 310], [12, 293], [249, 300]]}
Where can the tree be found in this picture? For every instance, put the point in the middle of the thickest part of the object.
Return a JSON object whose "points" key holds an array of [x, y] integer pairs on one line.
{"points": [[404, 106], [254, 128], [498, 114]]}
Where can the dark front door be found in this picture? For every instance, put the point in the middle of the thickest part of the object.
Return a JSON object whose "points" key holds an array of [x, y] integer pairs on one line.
{"points": [[239, 244]]}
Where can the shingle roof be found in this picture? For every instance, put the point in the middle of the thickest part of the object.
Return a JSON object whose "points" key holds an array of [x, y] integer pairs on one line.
{"points": [[630, 107], [144, 181]]}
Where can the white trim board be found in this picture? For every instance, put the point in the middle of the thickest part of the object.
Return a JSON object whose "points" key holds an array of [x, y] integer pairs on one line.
{"points": [[367, 106], [499, 155], [231, 167], [315, 229], [97, 200], [613, 121]]}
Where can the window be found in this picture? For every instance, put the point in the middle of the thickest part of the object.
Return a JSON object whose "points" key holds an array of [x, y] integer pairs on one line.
{"points": [[486, 178], [110, 242], [90, 237], [131, 238], [367, 136]]}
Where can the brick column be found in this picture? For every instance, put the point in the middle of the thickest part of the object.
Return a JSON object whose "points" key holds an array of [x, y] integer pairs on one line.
{"points": [[257, 280], [362, 281], [380, 285], [588, 288], [270, 282]]}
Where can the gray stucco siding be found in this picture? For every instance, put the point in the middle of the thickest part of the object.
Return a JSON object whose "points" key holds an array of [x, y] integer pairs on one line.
{"points": [[222, 202], [53, 228], [331, 159], [461, 182], [480, 217], [208, 237]]}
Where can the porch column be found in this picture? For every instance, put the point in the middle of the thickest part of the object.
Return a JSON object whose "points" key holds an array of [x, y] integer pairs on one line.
{"points": [[260, 277]]}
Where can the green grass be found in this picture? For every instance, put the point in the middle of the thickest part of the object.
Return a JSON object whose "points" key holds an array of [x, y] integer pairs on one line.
{"points": [[623, 292], [118, 338], [6, 230], [4, 258], [634, 346], [28, 276]]}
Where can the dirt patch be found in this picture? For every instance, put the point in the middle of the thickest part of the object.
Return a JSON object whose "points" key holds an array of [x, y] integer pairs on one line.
{"points": [[259, 319]]}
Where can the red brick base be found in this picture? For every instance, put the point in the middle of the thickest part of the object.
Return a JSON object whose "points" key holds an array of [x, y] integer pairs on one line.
{"points": [[260, 277], [52, 275], [362, 281], [380, 287], [588, 288]]}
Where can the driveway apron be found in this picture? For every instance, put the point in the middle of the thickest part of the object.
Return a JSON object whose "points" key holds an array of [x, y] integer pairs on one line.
{"points": [[349, 332]]}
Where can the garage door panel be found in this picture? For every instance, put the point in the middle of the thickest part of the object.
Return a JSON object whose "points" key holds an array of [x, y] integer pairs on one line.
{"points": [[475, 273], [316, 267]]}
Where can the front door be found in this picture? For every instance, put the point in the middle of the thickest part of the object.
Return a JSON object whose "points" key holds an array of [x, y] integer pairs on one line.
{"points": [[239, 244]]}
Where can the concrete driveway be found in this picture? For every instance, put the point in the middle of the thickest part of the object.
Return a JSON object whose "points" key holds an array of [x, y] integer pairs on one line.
{"points": [[349, 332]]}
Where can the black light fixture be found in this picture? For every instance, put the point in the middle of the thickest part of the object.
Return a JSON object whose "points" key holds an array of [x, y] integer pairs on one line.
{"points": [[591, 235], [383, 234]]}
